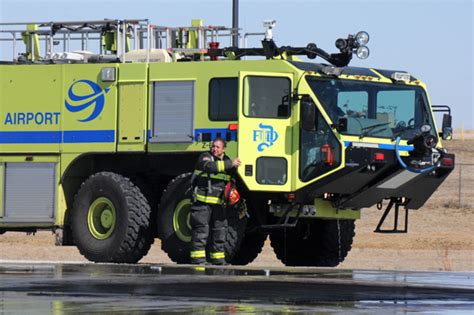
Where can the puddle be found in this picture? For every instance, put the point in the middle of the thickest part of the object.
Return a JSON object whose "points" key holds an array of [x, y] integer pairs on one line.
{"points": [[142, 289]]}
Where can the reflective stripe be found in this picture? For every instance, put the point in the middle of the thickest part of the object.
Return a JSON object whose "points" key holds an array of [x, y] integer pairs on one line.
{"points": [[200, 173], [198, 253], [213, 176], [208, 199], [220, 166], [383, 146], [217, 255]]}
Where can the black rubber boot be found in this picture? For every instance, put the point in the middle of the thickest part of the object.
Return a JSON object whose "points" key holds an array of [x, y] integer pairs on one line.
{"points": [[198, 262], [219, 262]]}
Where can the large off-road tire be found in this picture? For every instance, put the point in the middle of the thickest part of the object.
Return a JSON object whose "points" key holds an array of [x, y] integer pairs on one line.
{"points": [[250, 247], [110, 219], [236, 225], [314, 243], [174, 227], [254, 239], [173, 219]]}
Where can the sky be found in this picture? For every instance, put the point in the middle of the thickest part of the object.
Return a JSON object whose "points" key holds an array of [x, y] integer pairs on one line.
{"points": [[431, 39]]}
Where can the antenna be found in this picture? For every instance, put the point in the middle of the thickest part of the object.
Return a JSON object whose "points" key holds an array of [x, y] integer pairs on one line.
{"points": [[235, 23]]}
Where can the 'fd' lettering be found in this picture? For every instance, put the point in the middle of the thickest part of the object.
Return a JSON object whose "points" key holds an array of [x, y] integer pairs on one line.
{"points": [[266, 136]]}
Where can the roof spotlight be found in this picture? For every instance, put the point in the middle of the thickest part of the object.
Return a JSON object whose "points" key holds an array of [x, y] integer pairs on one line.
{"points": [[362, 38], [341, 43], [362, 52]]}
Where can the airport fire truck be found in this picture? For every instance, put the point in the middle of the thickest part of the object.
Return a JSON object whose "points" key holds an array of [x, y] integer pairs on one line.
{"points": [[101, 124]]}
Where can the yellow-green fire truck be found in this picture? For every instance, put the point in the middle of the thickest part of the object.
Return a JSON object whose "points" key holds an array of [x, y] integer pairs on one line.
{"points": [[101, 124]]}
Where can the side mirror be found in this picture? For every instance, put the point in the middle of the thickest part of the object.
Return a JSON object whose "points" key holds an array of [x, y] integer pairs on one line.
{"points": [[284, 107], [447, 130], [308, 116], [283, 110]]}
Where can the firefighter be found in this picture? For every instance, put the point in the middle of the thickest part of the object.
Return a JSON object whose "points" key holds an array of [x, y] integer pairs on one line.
{"points": [[208, 219]]}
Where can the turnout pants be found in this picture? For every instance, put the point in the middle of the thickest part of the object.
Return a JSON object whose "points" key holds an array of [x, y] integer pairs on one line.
{"points": [[207, 218]]}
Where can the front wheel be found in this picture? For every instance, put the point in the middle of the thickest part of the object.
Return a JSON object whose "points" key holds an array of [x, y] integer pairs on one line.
{"points": [[111, 220]]}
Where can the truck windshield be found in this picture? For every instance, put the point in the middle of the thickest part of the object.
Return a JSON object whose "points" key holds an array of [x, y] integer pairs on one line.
{"points": [[374, 109]]}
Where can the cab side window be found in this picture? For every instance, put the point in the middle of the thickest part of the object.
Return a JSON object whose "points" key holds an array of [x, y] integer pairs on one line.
{"points": [[263, 96], [223, 99]]}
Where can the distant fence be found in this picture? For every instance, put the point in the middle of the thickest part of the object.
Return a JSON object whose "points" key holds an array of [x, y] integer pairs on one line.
{"points": [[457, 191]]}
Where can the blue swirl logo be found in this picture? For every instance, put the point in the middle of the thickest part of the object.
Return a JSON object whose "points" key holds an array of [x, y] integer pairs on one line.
{"points": [[94, 96], [266, 135]]}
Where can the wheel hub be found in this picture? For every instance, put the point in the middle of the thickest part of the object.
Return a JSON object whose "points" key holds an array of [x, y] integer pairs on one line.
{"points": [[101, 218], [182, 220], [106, 218]]}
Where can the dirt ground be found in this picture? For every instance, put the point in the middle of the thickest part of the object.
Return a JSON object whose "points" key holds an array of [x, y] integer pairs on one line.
{"points": [[440, 233]]}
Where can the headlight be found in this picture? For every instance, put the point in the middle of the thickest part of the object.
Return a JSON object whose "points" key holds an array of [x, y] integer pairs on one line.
{"points": [[362, 38], [362, 52], [425, 128]]}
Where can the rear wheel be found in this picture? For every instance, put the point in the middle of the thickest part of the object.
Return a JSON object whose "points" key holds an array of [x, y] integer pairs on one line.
{"points": [[174, 228], [314, 243], [173, 221], [250, 247], [254, 239], [236, 225], [111, 220]]}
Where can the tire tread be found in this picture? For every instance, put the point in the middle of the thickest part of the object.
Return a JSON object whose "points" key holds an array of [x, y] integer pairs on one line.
{"points": [[138, 237]]}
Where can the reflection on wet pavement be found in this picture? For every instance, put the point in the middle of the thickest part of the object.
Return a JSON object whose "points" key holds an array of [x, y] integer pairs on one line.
{"points": [[133, 289]]}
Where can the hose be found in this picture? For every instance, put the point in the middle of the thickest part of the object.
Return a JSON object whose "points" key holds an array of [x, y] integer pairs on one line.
{"points": [[397, 153]]}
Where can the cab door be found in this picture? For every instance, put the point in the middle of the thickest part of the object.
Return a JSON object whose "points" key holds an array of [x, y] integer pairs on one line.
{"points": [[265, 130]]}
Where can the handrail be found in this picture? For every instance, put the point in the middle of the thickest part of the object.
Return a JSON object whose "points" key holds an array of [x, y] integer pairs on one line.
{"points": [[96, 35]]}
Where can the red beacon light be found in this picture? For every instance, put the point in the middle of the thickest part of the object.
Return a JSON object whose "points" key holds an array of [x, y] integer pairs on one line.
{"points": [[214, 45], [233, 127]]}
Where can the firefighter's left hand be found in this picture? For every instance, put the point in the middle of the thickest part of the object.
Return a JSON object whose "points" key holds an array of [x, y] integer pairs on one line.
{"points": [[236, 162]]}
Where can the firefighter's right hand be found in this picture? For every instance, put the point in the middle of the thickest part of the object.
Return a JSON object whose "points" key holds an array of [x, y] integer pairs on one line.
{"points": [[236, 162]]}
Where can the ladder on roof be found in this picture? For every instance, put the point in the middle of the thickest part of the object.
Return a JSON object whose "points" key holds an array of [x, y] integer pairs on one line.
{"points": [[105, 40], [106, 37]]}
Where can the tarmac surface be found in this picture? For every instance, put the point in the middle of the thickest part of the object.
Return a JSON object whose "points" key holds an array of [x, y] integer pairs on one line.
{"points": [[51, 288]]}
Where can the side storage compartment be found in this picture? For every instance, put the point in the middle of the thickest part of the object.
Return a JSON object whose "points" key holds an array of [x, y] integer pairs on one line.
{"points": [[29, 191], [132, 107], [173, 116]]}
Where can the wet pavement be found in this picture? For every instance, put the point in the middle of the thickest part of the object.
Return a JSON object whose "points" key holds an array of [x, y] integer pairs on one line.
{"points": [[34, 288]]}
